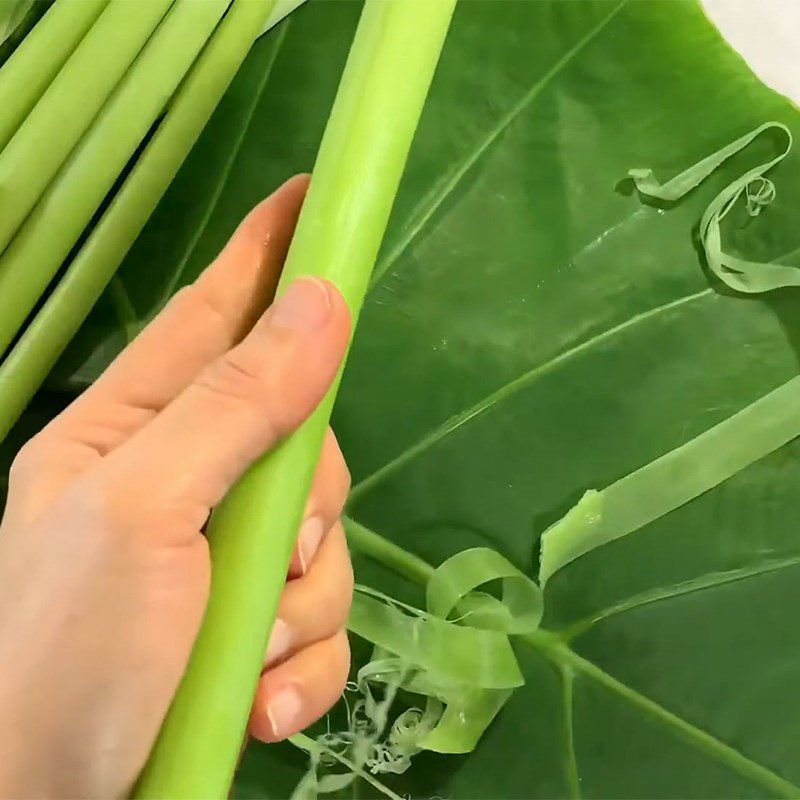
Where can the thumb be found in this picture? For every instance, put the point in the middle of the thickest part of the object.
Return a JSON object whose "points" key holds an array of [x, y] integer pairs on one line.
{"points": [[241, 405]]}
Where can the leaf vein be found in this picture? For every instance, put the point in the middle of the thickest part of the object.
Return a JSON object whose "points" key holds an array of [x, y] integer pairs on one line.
{"points": [[422, 215], [567, 704], [738, 762], [511, 388], [698, 584]]}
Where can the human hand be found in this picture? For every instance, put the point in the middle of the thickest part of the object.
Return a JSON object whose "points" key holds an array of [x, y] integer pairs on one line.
{"points": [[104, 570]]}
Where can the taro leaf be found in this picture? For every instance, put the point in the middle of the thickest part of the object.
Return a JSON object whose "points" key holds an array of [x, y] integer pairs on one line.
{"points": [[535, 331]]}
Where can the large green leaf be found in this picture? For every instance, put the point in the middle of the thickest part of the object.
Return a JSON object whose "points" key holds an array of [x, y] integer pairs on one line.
{"points": [[534, 331]]}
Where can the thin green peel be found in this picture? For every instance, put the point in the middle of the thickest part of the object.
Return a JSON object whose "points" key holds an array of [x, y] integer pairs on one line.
{"points": [[719, 453], [741, 275], [463, 670], [674, 479]]}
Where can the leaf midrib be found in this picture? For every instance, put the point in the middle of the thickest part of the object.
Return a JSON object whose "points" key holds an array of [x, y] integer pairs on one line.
{"points": [[568, 662]]}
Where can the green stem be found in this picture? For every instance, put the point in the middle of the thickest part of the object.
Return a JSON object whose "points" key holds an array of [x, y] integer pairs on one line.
{"points": [[66, 110], [252, 533], [67, 206], [44, 339], [388, 553], [37, 60]]}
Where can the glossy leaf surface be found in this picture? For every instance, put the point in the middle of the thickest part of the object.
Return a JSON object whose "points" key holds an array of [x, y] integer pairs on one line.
{"points": [[535, 331]]}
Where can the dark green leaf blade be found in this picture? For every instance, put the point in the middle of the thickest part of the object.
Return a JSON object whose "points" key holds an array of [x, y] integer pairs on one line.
{"points": [[533, 332]]}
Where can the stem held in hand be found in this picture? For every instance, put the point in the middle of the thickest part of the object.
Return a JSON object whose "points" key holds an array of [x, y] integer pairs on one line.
{"points": [[251, 535]]}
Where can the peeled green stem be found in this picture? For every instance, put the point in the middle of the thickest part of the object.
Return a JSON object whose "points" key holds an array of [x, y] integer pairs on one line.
{"points": [[251, 535], [46, 336], [66, 110], [67, 206], [37, 60]]}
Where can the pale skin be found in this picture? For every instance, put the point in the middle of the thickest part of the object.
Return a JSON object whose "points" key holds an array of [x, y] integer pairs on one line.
{"points": [[104, 568]]}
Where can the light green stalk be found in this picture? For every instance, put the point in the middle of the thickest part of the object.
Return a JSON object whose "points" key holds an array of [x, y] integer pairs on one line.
{"points": [[66, 110], [32, 357], [67, 206], [251, 535], [37, 60]]}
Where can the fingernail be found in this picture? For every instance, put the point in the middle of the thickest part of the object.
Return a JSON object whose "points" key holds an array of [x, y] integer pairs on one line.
{"points": [[280, 641], [283, 711], [304, 307], [311, 533]]}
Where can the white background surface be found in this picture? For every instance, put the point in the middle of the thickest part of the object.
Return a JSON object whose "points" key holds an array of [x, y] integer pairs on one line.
{"points": [[767, 34]]}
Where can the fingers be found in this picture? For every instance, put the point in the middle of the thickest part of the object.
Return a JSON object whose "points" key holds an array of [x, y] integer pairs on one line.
{"points": [[302, 689], [200, 323], [238, 407], [315, 606], [308, 645], [328, 496]]}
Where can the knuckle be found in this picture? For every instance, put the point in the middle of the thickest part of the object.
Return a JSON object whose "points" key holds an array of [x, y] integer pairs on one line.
{"points": [[341, 593], [334, 605], [28, 459], [192, 302], [346, 481], [324, 596], [242, 378], [256, 227], [338, 603]]}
